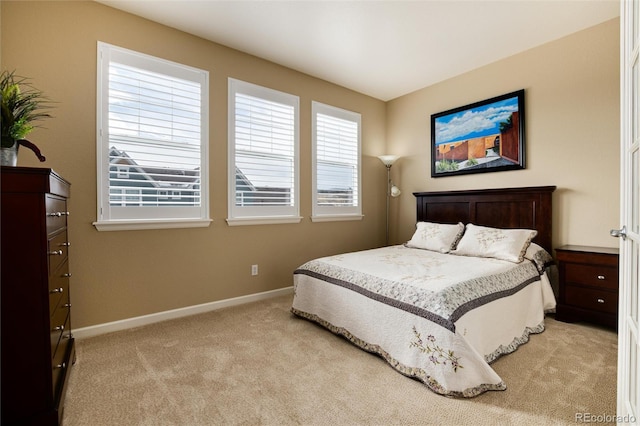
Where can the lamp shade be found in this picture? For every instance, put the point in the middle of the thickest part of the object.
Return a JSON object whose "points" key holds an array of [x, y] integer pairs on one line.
{"points": [[388, 160]]}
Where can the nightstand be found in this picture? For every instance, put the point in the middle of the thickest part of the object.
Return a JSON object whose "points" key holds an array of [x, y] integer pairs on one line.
{"points": [[588, 278]]}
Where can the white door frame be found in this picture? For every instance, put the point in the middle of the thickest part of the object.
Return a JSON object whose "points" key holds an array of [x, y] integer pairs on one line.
{"points": [[628, 354]]}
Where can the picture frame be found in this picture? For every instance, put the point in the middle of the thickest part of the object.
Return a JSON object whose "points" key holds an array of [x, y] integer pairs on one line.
{"points": [[485, 136]]}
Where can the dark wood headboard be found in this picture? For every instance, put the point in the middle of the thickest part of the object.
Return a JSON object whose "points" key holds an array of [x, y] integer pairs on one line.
{"points": [[528, 208]]}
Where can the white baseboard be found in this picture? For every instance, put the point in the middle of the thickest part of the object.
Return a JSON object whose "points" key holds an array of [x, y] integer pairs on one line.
{"points": [[109, 327]]}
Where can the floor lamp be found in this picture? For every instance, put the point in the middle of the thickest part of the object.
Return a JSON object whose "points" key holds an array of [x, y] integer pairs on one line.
{"points": [[392, 190]]}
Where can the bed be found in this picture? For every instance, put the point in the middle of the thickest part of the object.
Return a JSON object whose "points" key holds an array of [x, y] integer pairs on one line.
{"points": [[471, 285]]}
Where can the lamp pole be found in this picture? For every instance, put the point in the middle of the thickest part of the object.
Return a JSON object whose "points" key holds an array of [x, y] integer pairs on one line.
{"points": [[388, 197]]}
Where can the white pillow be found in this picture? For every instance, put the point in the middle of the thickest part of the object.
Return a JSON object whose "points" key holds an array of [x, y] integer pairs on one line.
{"points": [[539, 256], [436, 236], [532, 250], [504, 244]]}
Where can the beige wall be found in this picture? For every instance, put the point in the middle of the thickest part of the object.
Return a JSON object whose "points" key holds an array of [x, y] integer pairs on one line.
{"points": [[572, 141], [572, 133], [118, 275]]}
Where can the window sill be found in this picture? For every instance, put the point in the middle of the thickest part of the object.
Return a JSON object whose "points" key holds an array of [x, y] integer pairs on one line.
{"points": [[138, 225], [336, 217], [238, 221]]}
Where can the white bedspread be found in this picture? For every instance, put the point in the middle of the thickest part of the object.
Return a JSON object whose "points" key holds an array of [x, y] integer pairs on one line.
{"points": [[437, 317]]}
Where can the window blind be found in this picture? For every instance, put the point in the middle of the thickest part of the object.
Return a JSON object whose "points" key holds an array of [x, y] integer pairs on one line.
{"points": [[264, 152], [337, 154], [154, 137]]}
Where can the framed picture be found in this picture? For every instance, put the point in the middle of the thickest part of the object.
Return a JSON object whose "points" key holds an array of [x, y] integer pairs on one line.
{"points": [[486, 136]]}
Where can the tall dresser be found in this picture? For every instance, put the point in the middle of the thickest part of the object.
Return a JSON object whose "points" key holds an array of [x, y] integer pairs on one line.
{"points": [[37, 344]]}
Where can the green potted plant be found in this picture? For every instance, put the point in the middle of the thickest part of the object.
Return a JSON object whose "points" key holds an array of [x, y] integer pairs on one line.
{"points": [[22, 105]]}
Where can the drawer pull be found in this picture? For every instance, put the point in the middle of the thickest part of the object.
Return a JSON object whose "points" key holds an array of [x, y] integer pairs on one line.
{"points": [[600, 300], [601, 277], [57, 290], [67, 305], [56, 253], [63, 365], [66, 275], [58, 328], [65, 244], [58, 214]]}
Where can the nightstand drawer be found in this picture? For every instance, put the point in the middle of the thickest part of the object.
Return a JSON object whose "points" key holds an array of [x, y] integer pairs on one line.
{"points": [[592, 275], [592, 299]]}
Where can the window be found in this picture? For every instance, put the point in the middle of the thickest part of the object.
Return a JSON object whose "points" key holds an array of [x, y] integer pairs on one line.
{"points": [[122, 172], [152, 142], [126, 197], [336, 163], [263, 155]]}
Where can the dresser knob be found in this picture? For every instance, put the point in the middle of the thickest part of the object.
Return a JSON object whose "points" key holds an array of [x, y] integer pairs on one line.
{"points": [[601, 277], [58, 328], [57, 290], [56, 253], [600, 300], [67, 305], [66, 275], [65, 244], [63, 365]]}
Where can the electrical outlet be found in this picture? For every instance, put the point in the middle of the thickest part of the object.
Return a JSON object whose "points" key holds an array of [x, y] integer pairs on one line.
{"points": [[254, 269]]}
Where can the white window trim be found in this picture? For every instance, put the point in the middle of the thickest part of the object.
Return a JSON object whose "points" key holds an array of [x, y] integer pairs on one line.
{"points": [[260, 215], [105, 221], [139, 225], [331, 214], [336, 217]]}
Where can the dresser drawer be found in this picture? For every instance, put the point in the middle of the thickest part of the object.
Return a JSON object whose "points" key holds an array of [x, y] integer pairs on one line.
{"points": [[60, 361], [592, 299], [58, 248], [592, 275], [56, 212], [58, 325], [59, 288]]}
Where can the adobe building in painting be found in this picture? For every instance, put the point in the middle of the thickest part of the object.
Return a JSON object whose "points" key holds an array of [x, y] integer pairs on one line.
{"points": [[503, 147]]}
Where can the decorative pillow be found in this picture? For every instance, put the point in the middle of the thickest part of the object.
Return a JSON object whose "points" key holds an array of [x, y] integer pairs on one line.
{"points": [[539, 256], [532, 250], [504, 244], [436, 236]]}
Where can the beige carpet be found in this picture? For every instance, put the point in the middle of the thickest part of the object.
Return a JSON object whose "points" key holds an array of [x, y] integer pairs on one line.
{"points": [[257, 364]]}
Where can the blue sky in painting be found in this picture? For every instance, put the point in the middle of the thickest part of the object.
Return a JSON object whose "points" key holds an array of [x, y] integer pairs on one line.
{"points": [[474, 123]]}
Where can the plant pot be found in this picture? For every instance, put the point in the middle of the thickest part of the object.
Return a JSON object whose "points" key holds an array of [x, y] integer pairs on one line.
{"points": [[9, 156]]}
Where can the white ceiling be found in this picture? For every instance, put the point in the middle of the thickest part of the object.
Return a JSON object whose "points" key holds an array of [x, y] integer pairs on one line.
{"points": [[382, 48]]}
